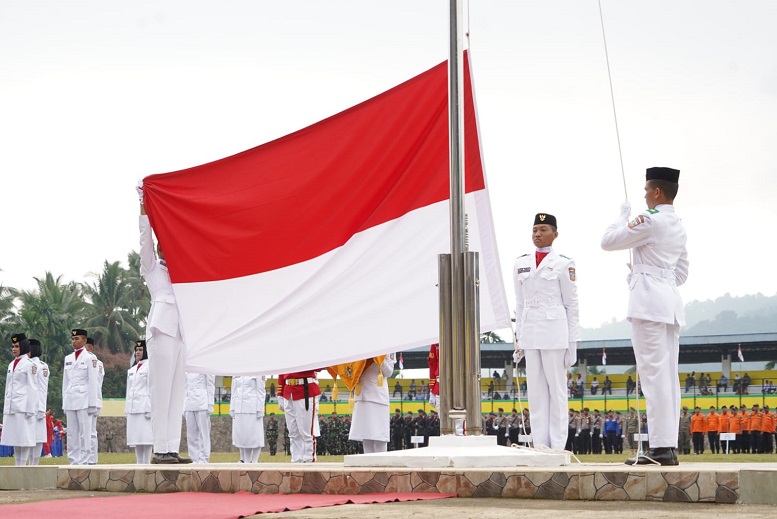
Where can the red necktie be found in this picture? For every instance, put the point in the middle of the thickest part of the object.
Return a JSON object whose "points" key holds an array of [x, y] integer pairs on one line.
{"points": [[138, 368], [15, 362], [78, 352], [540, 257]]}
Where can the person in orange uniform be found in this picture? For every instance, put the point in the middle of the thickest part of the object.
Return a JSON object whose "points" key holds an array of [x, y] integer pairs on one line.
{"points": [[756, 419], [767, 431], [723, 424], [744, 446], [713, 430], [299, 393], [698, 428], [735, 426], [434, 375]]}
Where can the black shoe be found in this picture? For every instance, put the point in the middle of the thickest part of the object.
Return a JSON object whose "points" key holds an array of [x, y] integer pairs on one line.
{"points": [[180, 459], [658, 456], [164, 459]]}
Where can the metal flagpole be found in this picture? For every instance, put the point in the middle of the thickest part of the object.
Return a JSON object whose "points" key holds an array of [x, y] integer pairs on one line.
{"points": [[459, 315]]}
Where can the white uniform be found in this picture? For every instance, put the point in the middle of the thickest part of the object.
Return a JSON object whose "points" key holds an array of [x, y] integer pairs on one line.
{"points": [[80, 401], [41, 434], [246, 407], [370, 423], [198, 406], [546, 326], [93, 446], [20, 405], [165, 348], [137, 408], [657, 238]]}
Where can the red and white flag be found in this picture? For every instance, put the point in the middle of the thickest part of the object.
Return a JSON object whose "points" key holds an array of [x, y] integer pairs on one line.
{"points": [[401, 363], [739, 354], [604, 357], [321, 247]]}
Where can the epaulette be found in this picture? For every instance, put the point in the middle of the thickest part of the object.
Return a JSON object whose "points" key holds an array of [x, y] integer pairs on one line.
{"points": [[652, 211], [565, 257], [524, 255]]}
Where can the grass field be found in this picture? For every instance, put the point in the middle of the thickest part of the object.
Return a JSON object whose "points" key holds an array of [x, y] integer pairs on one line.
{"points": [[232, 457]]}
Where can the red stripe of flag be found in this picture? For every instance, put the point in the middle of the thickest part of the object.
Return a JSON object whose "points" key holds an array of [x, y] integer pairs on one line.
{"points": [[305, 194]]}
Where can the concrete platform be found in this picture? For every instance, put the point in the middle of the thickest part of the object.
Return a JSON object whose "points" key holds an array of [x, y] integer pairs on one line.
{"points": [[752, 483], [459, 452]]}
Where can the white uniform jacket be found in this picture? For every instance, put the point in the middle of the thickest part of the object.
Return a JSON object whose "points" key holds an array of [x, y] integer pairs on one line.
{"points": [[100, 378], [248, 394], [80, 382], [546, 309], [21, 387], [657, 238], [163, 315], [370, 391], [43, 383], [200, 392], [138, 393]]}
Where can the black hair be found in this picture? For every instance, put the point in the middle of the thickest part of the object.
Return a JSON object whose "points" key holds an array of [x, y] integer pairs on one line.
{"points": [[145, 352], [669, 189]]}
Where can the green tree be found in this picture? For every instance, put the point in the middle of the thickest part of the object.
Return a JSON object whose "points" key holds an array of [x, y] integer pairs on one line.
{"points": [[490, 338], [139, 300], [109, 318]]}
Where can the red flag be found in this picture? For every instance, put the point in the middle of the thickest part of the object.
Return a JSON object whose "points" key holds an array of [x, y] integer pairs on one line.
{"points": [[281, 249], [604, 357], [401, 362], [739, 354]]}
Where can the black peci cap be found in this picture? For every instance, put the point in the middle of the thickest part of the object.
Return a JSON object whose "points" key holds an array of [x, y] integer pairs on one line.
{"points": [[667, 174], [545, 218]]}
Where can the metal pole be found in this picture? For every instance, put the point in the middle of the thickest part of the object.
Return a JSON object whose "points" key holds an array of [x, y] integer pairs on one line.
{"points": [[456, 116], [446, 347], [471, 379]]}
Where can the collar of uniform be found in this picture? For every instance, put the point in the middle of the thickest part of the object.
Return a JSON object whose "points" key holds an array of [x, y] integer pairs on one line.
{"points": [[544, 249], [665, 208]]}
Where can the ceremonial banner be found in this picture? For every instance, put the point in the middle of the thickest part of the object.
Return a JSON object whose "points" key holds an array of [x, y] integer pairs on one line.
{"points": [[321, 247]]}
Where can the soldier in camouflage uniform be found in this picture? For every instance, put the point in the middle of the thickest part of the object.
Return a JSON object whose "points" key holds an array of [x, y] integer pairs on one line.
{"points": [[630, 429], [321, 441], [286, 441], [271, 434], [333, 438], [684, 436], [350, 446]]}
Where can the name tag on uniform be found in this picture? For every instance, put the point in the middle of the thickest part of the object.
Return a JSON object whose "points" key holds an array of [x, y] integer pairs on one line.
{"points": [[68, 363], [522, 270]]}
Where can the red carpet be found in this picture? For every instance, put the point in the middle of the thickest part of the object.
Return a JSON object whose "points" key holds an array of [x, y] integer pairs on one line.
{"points": [[197, 505]]}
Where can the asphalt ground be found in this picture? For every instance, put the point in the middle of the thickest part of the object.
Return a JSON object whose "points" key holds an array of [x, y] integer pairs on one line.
{"points": [[462, 508]]}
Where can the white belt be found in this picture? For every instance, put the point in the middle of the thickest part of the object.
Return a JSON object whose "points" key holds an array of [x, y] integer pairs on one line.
{"points": [[653, 271], [536, 302]]}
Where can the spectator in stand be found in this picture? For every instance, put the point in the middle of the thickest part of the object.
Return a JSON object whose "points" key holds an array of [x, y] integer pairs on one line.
{"points": [[745, 382], [737, 385], [722, 383], [702, 382], [594, 386], [397, 389], [607, 385], [690, 380], [630, 385]]}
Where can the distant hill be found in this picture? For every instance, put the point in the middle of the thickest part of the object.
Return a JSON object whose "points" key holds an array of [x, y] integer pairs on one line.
{"points": [[722, 316]]}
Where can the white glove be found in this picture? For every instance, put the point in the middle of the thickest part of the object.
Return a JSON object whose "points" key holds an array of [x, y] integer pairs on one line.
{"points": [[139, 189], [570, 357], [626, 209], [601, 436], [232, 413], [40, 415], [148, 416], [281, 402], [518, 356], [623, 435], [259, 414], [577, 434], [93, 411]]}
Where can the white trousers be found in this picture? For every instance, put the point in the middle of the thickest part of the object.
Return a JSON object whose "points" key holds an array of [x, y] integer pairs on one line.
{"points": [[167, 379], [143, 454], [250, 455], [657, 350], [303, 429], [371, 446], [198, 435], [79, 441], [93, 441], [36, 453], [547, 387], [22, 456]]}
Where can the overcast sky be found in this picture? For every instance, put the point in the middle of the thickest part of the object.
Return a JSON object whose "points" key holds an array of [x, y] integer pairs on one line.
{"points": [[95, 95]]}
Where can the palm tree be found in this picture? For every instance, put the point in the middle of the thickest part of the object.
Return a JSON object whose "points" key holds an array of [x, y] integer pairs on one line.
{"points": [[49, 313], [139, 300], [490, 338], [109, 318]]}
